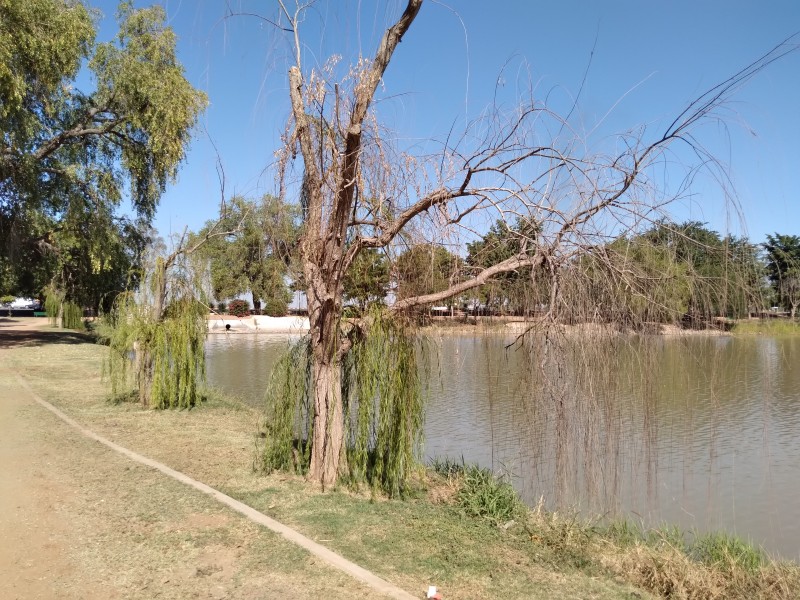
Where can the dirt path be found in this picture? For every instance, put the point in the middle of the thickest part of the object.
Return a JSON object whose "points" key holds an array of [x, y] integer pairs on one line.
{"points": [[36, 494], [77, 520]]}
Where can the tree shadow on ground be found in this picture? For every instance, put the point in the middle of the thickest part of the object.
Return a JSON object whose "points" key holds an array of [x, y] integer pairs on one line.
{"points": [[14, 334]]}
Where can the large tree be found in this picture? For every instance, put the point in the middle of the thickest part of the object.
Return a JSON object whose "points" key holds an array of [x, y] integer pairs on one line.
{"points": [[508, 292], [69, 156], [254, 257], [783, 269], [359, 191]]}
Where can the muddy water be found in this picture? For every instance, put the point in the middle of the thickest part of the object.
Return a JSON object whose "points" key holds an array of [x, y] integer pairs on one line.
{"points": [[701, 432]]}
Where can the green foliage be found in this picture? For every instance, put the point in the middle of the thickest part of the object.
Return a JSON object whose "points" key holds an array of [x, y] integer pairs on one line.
{"points": [[770, 327], [73, 316], [670, 273], [178, 355], [782, 254], [447, 467], [175, 346], [52, 305], [425, 269], [367, 279], [239, 308], [62, 312], [482, 494], [726, 552], [635, 281], [510, 292], [42, 43], [156, 336], [384, 399], [7, 299], [222, 307], [783, 269], [723, 273], [383, 404], [254, 258], [67, 157], [287, 421], [275, 307]]}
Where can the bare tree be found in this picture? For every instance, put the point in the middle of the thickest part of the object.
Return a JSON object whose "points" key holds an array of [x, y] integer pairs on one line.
{"points": [[526, 163]]}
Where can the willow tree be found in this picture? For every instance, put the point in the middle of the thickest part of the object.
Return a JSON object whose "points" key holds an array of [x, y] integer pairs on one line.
{"points": [[69, 156], [359, 191], [156, 332]]}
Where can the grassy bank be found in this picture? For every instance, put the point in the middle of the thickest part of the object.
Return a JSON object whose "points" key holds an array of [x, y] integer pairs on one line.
{"points": [[463, 530], [767, 327]]}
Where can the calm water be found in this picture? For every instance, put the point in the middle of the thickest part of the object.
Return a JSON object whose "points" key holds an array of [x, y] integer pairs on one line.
{"points": [[702, 432]]}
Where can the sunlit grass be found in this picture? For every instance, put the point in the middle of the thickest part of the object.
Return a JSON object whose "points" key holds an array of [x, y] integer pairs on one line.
{"points": [[767, 327]]}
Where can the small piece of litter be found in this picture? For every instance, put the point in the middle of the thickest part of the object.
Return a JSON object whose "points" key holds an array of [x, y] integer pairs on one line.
{"points": [[432, 593]]}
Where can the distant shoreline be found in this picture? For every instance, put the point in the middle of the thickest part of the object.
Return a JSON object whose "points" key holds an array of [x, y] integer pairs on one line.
{"points": [[256, 324], [441, 325]]}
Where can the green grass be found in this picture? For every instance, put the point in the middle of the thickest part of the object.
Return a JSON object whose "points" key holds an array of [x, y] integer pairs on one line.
{"points": [[727, 552], [767, 327], [484, 495]]}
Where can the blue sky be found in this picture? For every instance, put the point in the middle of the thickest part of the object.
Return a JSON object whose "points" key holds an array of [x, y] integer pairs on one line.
{"points": [[645, 61]]}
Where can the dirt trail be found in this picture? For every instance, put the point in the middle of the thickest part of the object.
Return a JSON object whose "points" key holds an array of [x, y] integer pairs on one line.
{"points": [[36, 490]]}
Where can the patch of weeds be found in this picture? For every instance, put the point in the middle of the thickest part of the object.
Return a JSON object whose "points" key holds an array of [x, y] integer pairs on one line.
{"points": [[668, 535], [623, 532], [767, 327], [483, 494], [124, 397], [727, 552], [566, 536], [447, 467]]}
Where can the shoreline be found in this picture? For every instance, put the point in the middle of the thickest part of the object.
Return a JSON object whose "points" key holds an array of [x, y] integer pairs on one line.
{"points": [[256, 324], [227, 324], [427, 539]]}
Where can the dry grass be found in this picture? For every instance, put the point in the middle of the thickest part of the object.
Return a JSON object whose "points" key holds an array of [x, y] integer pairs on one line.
{"points": [[427, 540]]}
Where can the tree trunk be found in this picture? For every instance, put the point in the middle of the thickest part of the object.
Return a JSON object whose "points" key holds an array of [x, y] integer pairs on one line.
{"points": [[328, 430], [144, 361], [328, 434]]}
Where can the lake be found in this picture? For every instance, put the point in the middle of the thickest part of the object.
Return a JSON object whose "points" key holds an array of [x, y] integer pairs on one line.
{"points": [[699, 431]]}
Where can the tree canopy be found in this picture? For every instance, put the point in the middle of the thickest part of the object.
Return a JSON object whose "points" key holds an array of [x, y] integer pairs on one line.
{"points": [[68, 157], [783, 269], [368, 279], [425, 269], [254, 257], [507, 292]]}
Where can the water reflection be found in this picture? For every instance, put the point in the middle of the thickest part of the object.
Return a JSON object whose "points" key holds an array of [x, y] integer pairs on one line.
{"points": [[703, 432]]}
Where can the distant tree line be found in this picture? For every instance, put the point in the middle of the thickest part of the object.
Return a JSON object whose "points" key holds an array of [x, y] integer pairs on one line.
{"points": [[668, 272]]}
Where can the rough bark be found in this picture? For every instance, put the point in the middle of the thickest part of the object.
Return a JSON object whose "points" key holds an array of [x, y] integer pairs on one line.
{"points": [[328, 433]]}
